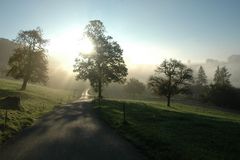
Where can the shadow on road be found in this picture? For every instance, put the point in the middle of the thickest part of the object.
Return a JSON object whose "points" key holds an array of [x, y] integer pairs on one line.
{"points": [[68, 133]]}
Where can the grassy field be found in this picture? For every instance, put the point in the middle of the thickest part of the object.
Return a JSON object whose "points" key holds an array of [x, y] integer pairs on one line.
{"points": [[179, 132], [36, 101]]}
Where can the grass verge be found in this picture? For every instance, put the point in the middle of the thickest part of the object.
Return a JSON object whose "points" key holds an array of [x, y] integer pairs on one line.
{"points": [[36, 101], [179, 132]]}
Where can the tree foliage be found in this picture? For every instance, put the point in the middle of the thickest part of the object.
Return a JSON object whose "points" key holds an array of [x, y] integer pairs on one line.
{"points": [[221, 92], [200, 88], [134, 87], [105, 64], [225, 96], [29, 61], [171, 77], [222, 77]]}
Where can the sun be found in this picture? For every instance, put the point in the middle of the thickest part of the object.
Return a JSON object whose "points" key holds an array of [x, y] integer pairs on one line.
{"points": [[71, 42], [86, 46], [66, 46]]}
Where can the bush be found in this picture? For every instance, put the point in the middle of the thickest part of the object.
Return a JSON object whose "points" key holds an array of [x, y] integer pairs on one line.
{"points": [[200, 92], [224, 96]]}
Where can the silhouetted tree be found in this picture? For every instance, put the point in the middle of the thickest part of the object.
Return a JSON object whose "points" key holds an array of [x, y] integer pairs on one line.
{"points": [[222, 93], [172, 77], [201, 77], [29, 61], [105, 64], [222, 77], [134, 87], [200, 88]]}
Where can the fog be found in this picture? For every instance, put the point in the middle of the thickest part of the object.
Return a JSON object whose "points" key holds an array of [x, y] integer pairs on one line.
{"points": [[143, 71], [232, 64], [61, 76]]}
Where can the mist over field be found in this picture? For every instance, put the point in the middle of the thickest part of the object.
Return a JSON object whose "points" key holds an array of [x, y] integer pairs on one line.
{"points": [[60, 77], [143, 71]]}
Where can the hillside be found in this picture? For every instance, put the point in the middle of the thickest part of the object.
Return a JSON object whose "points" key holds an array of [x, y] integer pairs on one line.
{"points": [[179, 132], [6, 50], [36, 101]]}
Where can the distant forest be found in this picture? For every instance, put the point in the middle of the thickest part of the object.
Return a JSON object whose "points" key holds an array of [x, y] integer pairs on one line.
{"points": [[232, 64]]}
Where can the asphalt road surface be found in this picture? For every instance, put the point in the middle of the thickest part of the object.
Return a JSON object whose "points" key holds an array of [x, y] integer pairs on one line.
{"points": [[72, 132]]}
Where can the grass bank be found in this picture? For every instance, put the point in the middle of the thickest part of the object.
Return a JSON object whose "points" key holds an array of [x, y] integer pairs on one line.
{"points": [[36, 101], [179, 132]]}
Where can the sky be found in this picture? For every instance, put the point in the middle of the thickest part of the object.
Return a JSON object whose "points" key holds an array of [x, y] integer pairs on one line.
{"points": [[148, 31]]}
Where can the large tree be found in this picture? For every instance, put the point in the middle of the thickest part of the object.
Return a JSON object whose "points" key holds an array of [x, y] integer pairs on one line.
{"points": [[105, 64], [171, 77], [29, 61]]}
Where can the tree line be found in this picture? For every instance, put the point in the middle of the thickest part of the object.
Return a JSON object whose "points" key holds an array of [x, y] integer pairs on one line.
{"points": [[173, 77], [106, 64]]}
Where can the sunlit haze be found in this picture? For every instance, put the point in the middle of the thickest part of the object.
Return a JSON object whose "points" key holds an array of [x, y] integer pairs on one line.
{"points": [[67, 45], [119, 79]]}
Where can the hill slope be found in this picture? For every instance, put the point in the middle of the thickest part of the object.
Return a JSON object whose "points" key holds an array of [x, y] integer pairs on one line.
{"points": [[6, 50], [179, 132], [36, 101]]}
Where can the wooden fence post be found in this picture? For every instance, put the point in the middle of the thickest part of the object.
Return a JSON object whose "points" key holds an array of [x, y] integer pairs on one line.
{"points": [[5, 120], [124, 113]]}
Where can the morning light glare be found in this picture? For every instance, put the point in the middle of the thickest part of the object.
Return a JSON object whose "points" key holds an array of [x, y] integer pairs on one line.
{"points": [[67, 46]]}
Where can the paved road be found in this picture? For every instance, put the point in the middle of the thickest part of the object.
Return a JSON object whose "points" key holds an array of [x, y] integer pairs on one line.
{"points": [[70, 133]]}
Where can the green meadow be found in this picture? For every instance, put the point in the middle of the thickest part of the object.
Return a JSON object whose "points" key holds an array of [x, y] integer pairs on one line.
{"points": [[179, 132], [36, 100]]}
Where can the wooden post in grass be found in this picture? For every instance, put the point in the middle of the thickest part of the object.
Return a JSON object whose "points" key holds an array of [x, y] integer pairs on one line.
{"points": [[124, 113], [5, 120]]}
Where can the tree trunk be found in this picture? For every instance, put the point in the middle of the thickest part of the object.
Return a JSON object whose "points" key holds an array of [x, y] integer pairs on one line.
{"points": [[28, 73], [99, 91], [169, 91], [5, 121], [24, 85]]}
